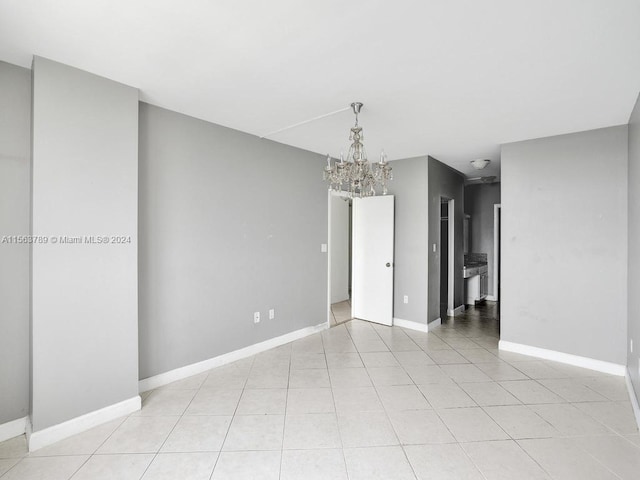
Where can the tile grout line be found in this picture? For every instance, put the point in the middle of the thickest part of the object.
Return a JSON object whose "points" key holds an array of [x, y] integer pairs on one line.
{"points": [[335, 409], [486, 413], [404, 453], [101, 444], [286, 402], [515, 440], [233, 416], [175, 425], [347, 332]]}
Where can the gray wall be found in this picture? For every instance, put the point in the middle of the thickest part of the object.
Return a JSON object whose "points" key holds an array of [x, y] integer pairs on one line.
{"points": [[15, 153], [409, 186], [446, 182], [339, 245], [633, 359], [84, 297], [564, 243], [229, 224], [478, 203]]}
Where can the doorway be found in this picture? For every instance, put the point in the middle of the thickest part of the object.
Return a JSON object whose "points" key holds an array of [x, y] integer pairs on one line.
{"points": [[360, 259], [444, 257], [447, 256], [497, 211], [340, 233]]}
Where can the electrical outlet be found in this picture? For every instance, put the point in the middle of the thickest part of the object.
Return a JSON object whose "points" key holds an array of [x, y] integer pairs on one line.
{"points": [[323, 247], [256, 317], [272, 314], [406, 299]]}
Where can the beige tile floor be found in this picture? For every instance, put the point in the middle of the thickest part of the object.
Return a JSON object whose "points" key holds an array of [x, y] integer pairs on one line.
{"points": [[340, 312], [361, 401]]}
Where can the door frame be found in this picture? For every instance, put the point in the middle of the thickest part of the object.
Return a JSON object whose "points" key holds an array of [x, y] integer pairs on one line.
{"points": [[330, 195], [497, 211], [451, 203]]}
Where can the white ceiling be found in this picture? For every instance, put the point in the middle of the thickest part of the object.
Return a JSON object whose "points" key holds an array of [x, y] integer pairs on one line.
{"points": [[452, 79]]}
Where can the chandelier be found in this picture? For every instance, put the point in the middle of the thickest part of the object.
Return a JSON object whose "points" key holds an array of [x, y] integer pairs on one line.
{"points": [[355, 175]]}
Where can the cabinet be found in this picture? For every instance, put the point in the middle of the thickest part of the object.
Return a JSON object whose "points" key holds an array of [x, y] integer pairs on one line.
{"points": [[476, 285], [472, 287], [484, 285]]}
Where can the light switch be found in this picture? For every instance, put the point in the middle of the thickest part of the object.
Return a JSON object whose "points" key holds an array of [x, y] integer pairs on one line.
{"points": [[434, 247], [323, 248]]}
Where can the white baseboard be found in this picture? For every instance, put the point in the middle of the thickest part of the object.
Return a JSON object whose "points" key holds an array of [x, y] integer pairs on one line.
{"points": [[13, 428], [188, 370], [410, 324], [456, 311], [47, 436], [561, 357], [436, 323], [633, 397], [492, 298]]}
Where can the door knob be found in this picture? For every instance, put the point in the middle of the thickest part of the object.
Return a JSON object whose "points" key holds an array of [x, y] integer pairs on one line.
{"points": [[388, 264]]}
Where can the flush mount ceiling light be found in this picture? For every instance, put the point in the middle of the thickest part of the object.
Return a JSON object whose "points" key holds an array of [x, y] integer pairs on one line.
{"points": [[355, 175], [480, 163]]}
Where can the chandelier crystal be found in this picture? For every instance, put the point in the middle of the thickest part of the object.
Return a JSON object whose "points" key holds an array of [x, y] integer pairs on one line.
{"points": [[355, 175]]}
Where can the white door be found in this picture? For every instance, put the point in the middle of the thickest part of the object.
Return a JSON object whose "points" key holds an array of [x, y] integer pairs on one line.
{"points": [[372, 267]]}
